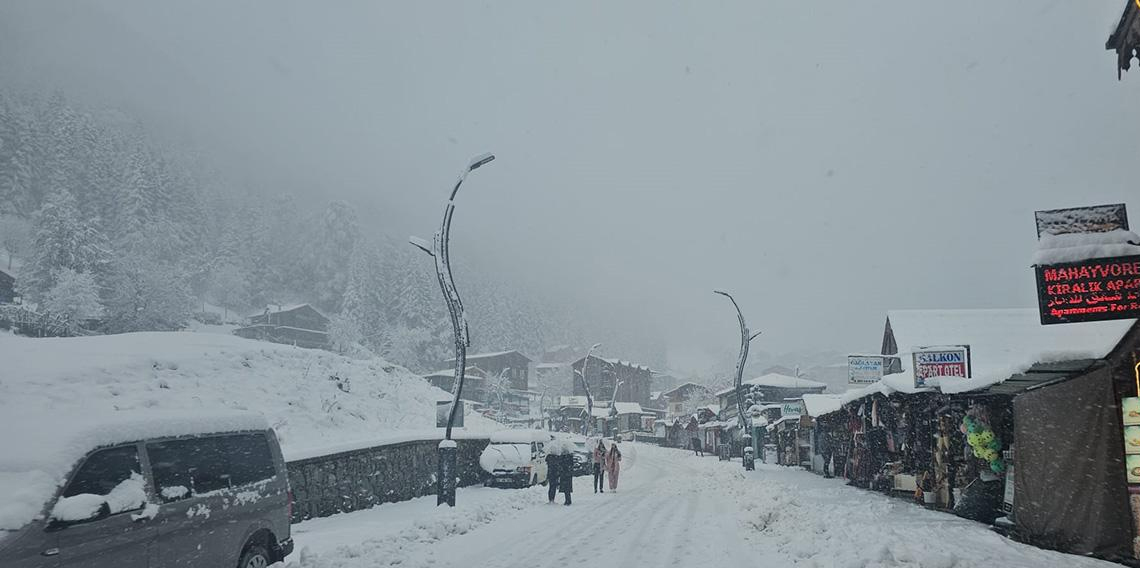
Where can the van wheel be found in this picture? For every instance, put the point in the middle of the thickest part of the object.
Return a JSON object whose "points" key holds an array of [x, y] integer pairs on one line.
{"points": [[255, 556]]}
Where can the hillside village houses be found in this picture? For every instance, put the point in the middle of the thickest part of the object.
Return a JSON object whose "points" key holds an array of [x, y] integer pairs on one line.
{"points": [[300, 325]]}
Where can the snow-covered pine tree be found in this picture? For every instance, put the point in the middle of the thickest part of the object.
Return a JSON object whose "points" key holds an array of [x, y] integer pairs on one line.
{"points": [[61, 239], [74, 297]]}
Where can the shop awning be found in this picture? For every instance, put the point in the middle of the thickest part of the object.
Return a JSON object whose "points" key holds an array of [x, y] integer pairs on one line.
{"points": [[1040, 375]]}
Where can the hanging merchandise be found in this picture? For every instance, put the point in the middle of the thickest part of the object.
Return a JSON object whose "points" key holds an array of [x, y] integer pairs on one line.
{"points": [[985, 444]]}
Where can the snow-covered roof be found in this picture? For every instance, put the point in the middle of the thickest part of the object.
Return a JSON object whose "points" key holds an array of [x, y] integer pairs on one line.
{"points": [[469, 372], [1003, 342], [1075, 247], [572, 401], [275, 309], [627, 408], [34, 463], [494, 354], [777, 380], [619, 362], [820, 404], [683, 386], [714, 408]]}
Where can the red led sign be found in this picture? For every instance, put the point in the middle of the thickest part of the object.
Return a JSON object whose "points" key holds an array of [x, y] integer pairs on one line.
{"points": [[1090, 290]]}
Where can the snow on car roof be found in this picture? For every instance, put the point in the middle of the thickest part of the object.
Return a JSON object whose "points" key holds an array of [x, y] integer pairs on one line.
{"points": [[34, 463], [520, 436]]}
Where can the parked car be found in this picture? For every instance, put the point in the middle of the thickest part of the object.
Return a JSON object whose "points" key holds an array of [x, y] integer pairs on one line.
{"points": [[516, 458], [180, 493], [582, 459]]}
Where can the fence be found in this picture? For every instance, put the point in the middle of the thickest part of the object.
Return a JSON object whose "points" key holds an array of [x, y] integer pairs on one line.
{"points": [[359, 479]]}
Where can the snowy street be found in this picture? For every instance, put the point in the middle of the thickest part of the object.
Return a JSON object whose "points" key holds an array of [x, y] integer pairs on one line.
{"points": [[671, 509]]}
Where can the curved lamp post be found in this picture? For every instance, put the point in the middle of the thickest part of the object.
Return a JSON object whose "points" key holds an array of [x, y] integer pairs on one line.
{"points": [[586, 386], [745, 339], [439, 249]]}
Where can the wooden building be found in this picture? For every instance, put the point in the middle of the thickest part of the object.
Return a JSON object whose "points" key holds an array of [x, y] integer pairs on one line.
{"points": [[300, 325], [633, 382], [510, 364], [772, 389], [7, 287], [684, 399]]}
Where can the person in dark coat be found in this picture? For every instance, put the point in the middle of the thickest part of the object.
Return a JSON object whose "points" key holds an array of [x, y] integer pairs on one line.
{"points": [[600, 468], [553, 465], [566, 473]]}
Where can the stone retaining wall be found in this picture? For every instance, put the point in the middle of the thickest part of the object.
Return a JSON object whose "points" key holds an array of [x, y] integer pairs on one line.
{"points": [[359, 479]]}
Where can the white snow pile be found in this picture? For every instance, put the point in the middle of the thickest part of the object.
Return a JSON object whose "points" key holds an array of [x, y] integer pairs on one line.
{"points": [[60, 397], [407, 547], [1075, 247]]}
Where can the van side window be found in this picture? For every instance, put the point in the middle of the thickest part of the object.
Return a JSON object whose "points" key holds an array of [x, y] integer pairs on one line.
{"points": [[103, 471], [249, 457], [199, 465]]}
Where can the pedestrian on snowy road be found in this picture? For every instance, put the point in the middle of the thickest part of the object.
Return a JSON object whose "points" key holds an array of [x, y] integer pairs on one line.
{"points": [[552, 471], [600, 468], [697, 449], [566, 473], [613, 465]]}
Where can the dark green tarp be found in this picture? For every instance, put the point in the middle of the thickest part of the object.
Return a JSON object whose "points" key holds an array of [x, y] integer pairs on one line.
{"points": [[1069, 477]]}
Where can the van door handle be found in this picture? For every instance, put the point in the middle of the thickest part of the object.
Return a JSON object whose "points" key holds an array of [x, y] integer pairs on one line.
{"points": [[50, 552]]}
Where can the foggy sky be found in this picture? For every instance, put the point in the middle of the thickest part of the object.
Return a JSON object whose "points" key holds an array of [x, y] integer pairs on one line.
{"points": [[825, 162]]}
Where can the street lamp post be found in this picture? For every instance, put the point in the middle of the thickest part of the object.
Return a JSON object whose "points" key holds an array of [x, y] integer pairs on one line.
{"points": [[613, 405], [586, 386], [440, 251], [745, 339]]}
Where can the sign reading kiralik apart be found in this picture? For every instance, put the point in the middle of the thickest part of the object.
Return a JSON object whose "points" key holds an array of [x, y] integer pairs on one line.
{"points": [[1101, 280], [943, 361]]}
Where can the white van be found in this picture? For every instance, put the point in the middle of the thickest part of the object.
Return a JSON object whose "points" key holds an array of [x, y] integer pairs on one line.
{"points": [[516, 458]]}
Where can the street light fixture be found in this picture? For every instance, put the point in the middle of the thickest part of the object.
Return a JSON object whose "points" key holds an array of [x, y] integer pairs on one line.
{"points": [[440, 251], [745, 339]]}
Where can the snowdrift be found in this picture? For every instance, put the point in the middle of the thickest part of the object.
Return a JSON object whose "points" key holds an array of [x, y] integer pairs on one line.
{"points": [[317, 401]]}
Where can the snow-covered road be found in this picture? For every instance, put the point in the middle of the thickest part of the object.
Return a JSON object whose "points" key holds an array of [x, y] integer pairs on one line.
{"points": [[671, 509]]}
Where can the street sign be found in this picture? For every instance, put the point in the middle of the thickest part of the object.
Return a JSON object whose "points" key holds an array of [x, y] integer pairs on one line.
{"points": [[864, 369], [949, 361], [1093, 219], [442, 408], [1089, 290]]}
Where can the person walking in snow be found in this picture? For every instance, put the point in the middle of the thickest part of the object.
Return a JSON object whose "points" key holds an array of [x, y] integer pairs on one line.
{"points": [[600, 468], [566, 472], [613, 465], [553, 465]]}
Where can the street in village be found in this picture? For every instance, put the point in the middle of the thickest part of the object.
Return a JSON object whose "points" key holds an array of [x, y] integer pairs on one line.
{"points": [[671, 509]]}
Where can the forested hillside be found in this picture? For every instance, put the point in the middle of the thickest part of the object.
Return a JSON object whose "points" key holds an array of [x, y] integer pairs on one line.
{"points": [[108, 225]]}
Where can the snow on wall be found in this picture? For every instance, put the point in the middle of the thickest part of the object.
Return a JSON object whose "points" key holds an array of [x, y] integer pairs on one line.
{"points": [[112, 388]]}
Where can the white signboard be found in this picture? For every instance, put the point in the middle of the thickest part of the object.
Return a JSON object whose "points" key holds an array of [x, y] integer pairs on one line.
{"points": [[864, 369], [792, 408], [951, 361]]}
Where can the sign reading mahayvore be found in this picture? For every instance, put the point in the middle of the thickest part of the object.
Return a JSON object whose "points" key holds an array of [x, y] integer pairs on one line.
{"points": [[1089, 290]]}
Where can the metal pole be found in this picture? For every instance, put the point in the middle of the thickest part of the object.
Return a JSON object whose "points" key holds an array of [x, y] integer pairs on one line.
{"points": [[441, 252], [586, 386], [745, 339]]}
